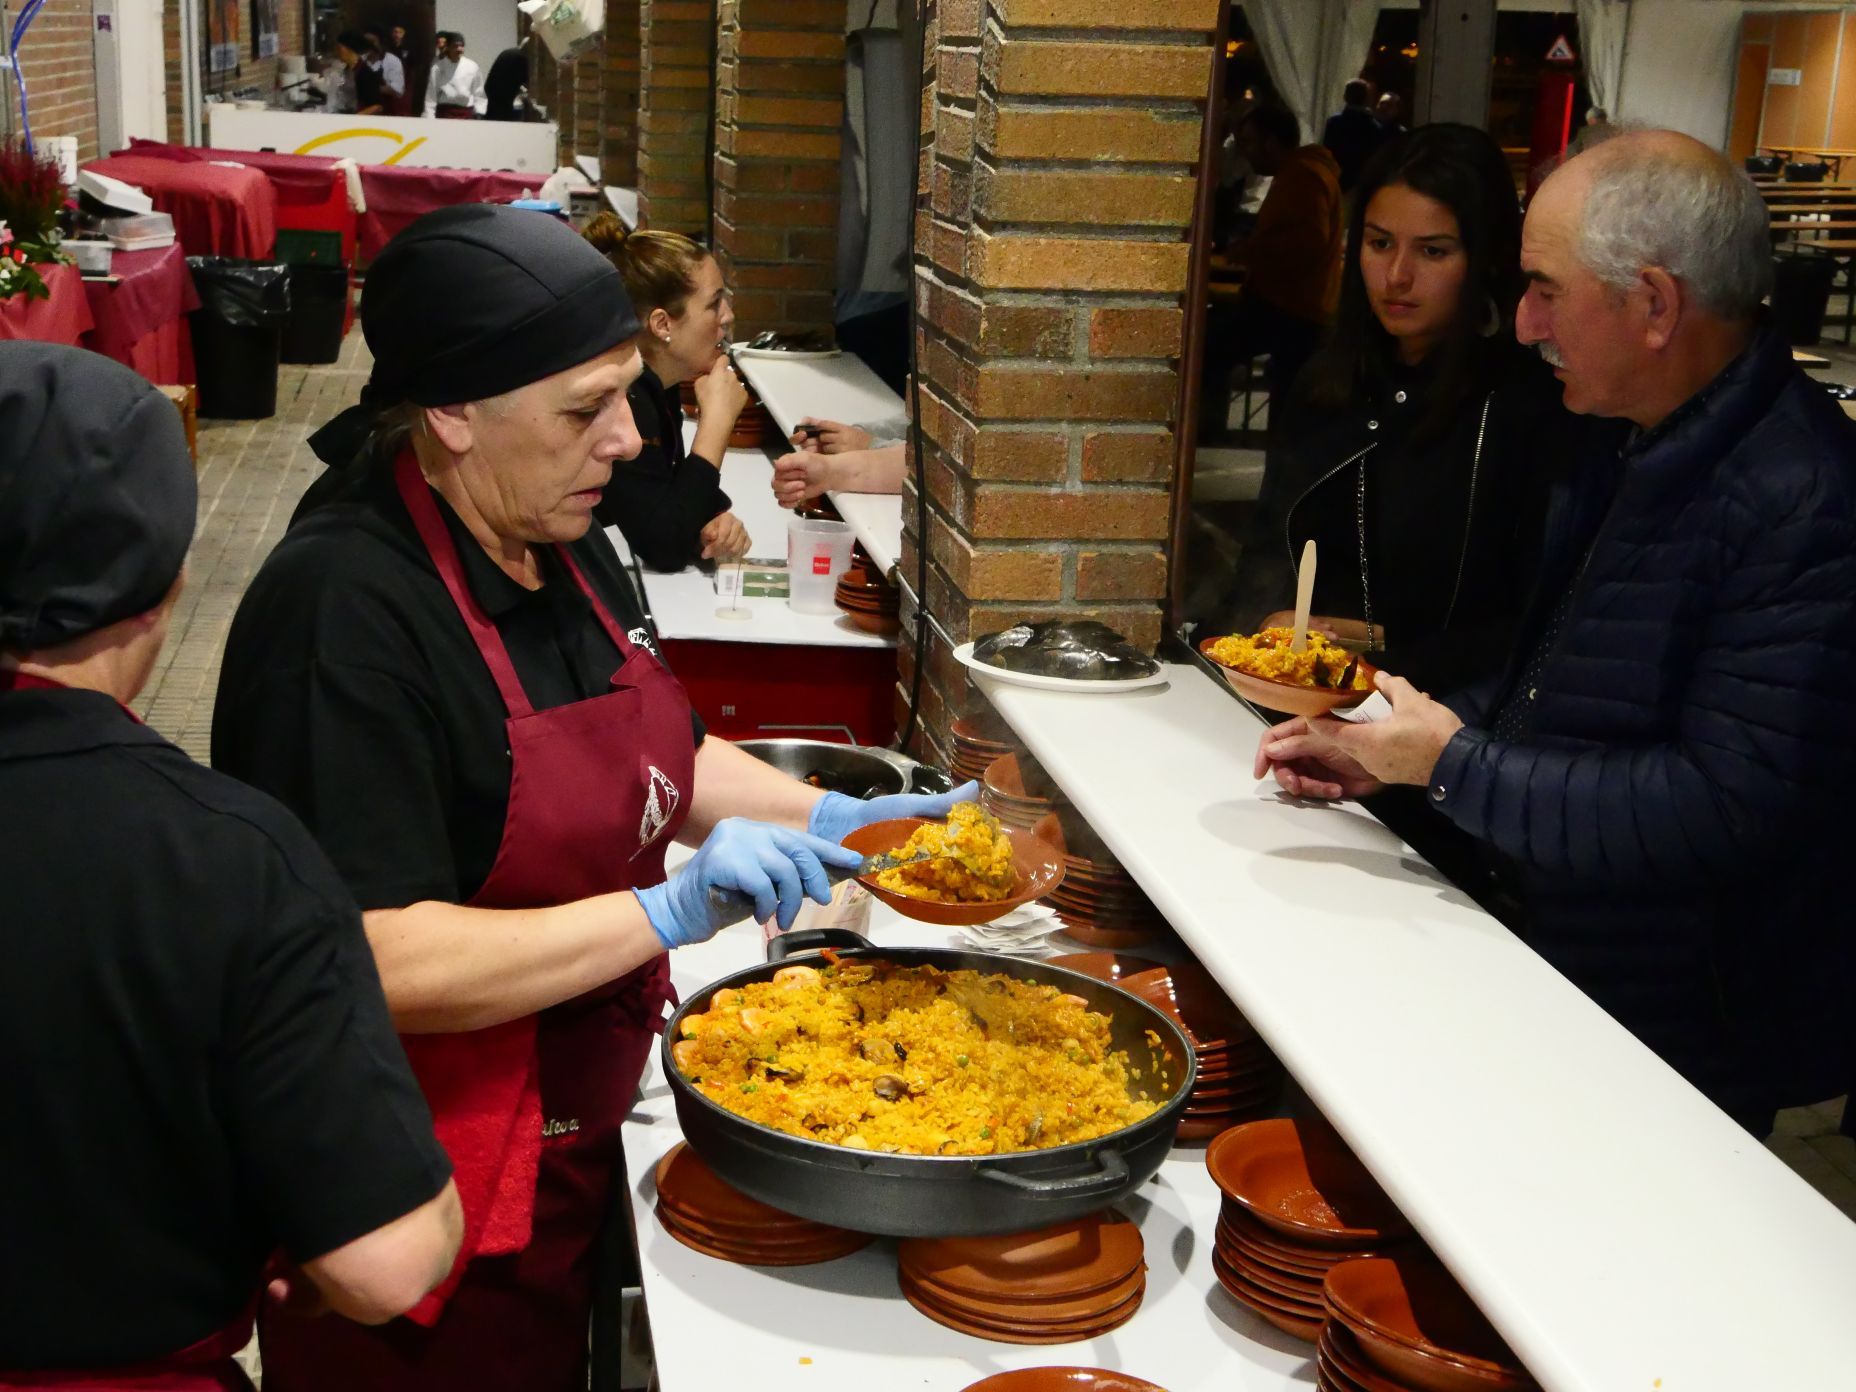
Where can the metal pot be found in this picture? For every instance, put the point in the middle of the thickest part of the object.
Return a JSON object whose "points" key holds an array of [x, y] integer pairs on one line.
{"points": [[947, 1195], [841, 768]]}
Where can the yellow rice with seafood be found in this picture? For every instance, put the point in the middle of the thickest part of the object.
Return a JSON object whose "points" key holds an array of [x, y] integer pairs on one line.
{"points": [[979, 872], [914, 1060], [1266, 654]]}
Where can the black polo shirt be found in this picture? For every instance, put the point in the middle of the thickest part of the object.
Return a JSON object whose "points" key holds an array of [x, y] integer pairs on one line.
{"points": [[662, 500], [352, 691], [199, 1065]]}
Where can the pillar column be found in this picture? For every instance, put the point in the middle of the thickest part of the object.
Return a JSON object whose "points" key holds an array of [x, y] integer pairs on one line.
{"points": [[619, 74], [1060, 167], [675, 80], [779, 114]]}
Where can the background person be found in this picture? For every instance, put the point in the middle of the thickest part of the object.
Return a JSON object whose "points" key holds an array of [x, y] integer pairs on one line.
{"points": [[1291, 261], [506, 84], [385, 62], [1353, 133], [443, 666], [201, 1071], [455, 91], [833, 457], [1660, 777], [668, 501]]}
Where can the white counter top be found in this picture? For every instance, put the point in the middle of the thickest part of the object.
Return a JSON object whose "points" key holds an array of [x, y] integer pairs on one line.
{"points": [[1619, 1230], [840, 389], [844, 1327], [683, 603]]}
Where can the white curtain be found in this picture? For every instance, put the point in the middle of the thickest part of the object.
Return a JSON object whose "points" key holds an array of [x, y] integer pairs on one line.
{"points": [[1602, 27], [1312, 48], [1679, 66]]}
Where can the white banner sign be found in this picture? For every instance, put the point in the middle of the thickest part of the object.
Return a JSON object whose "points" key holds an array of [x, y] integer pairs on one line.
{"points": [[524, 147]]}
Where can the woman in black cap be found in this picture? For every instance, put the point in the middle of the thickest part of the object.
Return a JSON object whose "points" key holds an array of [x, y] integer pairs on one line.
{"points": [[443, 668], [200, 1067]]}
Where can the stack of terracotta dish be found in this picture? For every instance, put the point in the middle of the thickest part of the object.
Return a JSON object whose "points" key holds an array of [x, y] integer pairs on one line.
{"points": [[1017, 791], [1062, 1380], [1402, 1324], [753, 427], [698, 1209], [976, 744], [1238, 1077], [1057, 1285], [869, 601], [1296, 1205], [1101, 906]]}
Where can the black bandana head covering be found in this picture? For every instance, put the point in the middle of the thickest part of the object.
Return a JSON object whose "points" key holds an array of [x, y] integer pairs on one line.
{"points": [[474, 301], [97, 494]]}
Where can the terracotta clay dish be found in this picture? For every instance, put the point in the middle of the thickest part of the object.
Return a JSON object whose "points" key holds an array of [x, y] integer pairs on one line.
{"points": [[701, 1211], [1338, 1357], [1061, 1380], [1293, 1319], [1417, 1326], [1039, 868], [1296, 1176], [1084, 1256], [1191, 995], [1012, 1329], [1291, 698], [1113, 939], [1104, 966]]}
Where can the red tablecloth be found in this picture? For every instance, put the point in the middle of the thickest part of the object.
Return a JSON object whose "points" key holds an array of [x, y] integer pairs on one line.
{"points": [[217, 211], [395, 193], [64, 318], [141, 318]]}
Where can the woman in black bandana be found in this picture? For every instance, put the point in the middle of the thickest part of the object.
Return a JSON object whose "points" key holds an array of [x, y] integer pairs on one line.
{"points": [[443, 668]]}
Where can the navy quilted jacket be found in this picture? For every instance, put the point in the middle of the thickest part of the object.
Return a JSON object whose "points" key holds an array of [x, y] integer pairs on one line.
{"points": [[1677, 822]]}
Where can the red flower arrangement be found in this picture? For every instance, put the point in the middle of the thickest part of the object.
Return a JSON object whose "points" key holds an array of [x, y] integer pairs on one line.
{"points": [[31, 194]]}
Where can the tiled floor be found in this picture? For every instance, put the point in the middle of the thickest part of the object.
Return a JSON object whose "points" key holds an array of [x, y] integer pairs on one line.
{"points": [[251, 475]]}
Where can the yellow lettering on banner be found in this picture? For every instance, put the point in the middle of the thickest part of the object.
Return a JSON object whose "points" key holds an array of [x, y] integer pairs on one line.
{"points": [[365, 132]]}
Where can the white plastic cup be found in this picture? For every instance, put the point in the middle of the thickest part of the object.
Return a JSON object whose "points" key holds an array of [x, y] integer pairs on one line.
{"points": [[817, 554]]}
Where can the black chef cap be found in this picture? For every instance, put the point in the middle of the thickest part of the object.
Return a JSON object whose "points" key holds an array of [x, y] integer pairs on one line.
{"points": [[474, 301], [97, 494]]}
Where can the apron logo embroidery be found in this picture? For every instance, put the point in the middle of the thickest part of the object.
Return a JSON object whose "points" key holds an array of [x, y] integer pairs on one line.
{"points": [[641, 638], [661, 800], [551, 1129]]}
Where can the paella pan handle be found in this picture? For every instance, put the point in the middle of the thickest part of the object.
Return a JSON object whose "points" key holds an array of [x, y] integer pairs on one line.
{"points": [[1111, 1176], [783, 945]]}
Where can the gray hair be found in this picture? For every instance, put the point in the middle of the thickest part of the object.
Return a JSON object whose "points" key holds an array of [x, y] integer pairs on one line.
{"points": [[1699, 219]]}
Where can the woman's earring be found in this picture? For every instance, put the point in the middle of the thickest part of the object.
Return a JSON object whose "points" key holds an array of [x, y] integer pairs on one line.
{"points": [[1492, 319]]}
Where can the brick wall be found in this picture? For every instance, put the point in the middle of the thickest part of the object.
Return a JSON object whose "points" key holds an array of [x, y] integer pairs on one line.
{"points": [[1061, 143], [260, 73], [617, 146], [171, 72], [61, 73], [779, 114], [673, 114]]}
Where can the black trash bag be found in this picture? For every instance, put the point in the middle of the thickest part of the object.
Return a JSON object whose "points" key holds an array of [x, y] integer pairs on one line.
{"points": [[1082, 650], [1764, 164], [243, 294]]}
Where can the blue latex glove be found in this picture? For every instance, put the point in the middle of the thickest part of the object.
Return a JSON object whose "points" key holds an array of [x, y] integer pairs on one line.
{"points": [[836, 816], [774, 866]]}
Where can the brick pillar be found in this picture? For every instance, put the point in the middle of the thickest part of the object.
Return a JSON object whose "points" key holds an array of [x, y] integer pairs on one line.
{"points": [[1061, 145], [779, 114], [673, 115], [618, 138]]}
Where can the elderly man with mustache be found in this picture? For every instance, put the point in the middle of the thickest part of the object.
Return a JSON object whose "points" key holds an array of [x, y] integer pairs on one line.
{"points": [[1659, 781]]}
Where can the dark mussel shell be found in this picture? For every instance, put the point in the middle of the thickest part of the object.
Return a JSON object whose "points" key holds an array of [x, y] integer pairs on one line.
{"points": [[1082, 650]]}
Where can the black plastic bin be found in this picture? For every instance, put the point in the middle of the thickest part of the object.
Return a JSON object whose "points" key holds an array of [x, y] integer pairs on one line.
{"points": [[1801, 283], [318, 313], [238, 334]]}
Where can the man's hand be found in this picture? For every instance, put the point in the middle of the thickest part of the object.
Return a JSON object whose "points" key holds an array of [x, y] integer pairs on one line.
{"points": [[830, 437], [1305, 761], [1406, 745], [799, 477], [720, 393], [724, 538]]}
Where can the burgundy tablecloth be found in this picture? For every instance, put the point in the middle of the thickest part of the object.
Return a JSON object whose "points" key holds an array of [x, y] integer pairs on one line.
{"points": [[153, 288], [395, 193], [141, 318], [217, 211], [64, 318]]}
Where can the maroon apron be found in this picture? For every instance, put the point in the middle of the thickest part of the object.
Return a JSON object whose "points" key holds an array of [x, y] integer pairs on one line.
{"points": [[529, 1111], [204, 1366]]}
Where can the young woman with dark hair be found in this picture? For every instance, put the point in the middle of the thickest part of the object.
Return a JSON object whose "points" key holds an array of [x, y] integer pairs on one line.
{"points": [[1417, 446]]}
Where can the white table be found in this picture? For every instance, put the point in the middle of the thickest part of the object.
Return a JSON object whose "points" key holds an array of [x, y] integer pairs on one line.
{"points": [[844, 1327], [1619, 1230], [841, 389], [683, 603]]}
